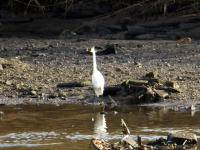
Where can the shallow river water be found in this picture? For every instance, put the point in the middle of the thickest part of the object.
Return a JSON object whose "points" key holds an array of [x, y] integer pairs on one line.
{"points": [[71, 127]]}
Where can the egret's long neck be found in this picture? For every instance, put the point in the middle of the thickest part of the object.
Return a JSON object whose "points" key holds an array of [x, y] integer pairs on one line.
{"points": [[94, 62]]}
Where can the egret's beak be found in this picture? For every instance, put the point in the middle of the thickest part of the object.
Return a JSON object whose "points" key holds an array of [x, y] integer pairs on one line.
{"points": [[92, 49], [88, 50]]}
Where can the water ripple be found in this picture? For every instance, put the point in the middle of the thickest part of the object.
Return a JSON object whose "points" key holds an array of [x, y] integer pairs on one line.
{"points": [[25, 144], [30, 139], [27, 139]]}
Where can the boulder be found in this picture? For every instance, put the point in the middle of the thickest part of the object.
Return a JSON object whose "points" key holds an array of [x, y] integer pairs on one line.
{"points": [[135, 82], [111, 91], [172, 84], [109, 49], [182, 138], [161, 93], [152, 74]]}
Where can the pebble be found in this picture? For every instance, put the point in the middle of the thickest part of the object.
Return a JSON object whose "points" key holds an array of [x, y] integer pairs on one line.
{"points": [[1, 67], [8, 82], [172, 84], [17, 86], [140, 45], [152, 74], [139, 65], [33, 92]]}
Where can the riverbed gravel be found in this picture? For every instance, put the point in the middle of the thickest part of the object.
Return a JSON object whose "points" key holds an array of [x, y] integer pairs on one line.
{"points": [[32, 69]]}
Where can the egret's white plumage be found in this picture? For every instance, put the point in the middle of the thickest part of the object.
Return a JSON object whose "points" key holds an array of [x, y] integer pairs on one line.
{"points": [[97, 77]]}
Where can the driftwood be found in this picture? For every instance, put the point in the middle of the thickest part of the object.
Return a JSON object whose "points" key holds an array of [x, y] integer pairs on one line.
{"points": [[125, 129], [174, 141]]}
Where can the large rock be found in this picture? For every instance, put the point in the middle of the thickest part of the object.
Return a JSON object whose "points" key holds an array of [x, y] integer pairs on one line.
{"points": [[172, 84], [161, 93], [182, 138], [152, 74], [109, 49], [135, 82]]}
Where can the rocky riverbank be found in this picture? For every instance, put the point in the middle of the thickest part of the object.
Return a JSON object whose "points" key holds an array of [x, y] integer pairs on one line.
{"points": [[58, 71]]}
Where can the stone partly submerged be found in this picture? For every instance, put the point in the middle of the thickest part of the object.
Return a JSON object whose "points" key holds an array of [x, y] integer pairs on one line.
{"points": [[149, 89], [146, 90], [182, 138], [174, 141]]}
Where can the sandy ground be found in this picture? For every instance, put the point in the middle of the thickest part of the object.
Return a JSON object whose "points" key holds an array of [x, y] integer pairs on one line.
{"points": [[31, 70]]}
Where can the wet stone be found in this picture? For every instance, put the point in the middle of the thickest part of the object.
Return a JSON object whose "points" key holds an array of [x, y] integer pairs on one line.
{"points": [[111, 91], [172, 84], [137, 89], [161, 93], [170, 90], [130, 141], [135, 82], [152, 74], [153, 81], [149, 96], [182, 138], [148, 90]]}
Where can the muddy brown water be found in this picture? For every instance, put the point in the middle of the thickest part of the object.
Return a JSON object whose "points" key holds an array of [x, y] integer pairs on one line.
{"points": [[49, 127]]}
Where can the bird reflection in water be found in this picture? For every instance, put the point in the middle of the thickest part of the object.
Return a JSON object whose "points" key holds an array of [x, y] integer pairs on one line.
{"points": [[100, 126]]}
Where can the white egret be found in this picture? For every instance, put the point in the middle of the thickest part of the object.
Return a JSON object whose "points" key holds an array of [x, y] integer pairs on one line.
{"points": [[97, 77]]}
